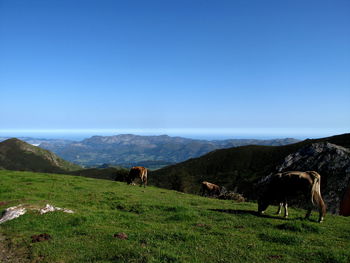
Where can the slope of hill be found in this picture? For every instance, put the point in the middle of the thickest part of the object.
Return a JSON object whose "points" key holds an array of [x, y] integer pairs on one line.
{"points": [[235, 168], [18, 155], [108, 173], [156, 151], [114, 222]]}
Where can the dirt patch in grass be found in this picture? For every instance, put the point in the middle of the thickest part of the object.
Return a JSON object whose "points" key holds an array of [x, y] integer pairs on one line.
{"points": [[121, 236], [40, 237], [202, 225], [272, 257], [9, 254]]}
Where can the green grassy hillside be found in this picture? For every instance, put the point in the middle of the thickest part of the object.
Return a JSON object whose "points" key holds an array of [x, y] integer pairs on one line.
{"points": [[160, 225], [21, 156]]}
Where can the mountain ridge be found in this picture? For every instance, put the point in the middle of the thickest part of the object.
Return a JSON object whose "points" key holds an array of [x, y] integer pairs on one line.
{"points": [[130, 150], [19, 155]]}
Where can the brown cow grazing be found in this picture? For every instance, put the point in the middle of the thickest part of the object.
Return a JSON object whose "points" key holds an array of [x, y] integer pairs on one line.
{"points": [[282, 187], [137, 172], [210, 189]]}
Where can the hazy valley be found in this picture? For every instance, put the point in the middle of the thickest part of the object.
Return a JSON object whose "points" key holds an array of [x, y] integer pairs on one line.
{"points": [[130, 150]]}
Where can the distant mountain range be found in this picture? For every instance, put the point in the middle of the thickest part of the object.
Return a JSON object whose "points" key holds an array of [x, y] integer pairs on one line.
{"points": [[151, 151], [21, 156]]}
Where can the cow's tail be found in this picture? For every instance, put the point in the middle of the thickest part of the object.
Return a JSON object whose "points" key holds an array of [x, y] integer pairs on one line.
{"points": [[316, 186], [144, 177], [316, 197]]}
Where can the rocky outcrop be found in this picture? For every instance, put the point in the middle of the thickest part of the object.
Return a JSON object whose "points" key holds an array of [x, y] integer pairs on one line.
{"points": [[332, 162]]}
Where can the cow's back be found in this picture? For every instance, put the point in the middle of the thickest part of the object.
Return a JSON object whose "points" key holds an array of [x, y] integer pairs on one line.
{"points": [[210, 186], [288, 184], [137, 170]]}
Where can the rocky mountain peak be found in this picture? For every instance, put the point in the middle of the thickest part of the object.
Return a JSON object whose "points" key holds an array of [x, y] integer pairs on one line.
{"points": [[331, 161]]}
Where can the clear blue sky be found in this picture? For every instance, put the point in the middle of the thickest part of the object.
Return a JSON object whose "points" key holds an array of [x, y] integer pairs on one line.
{"points": [[249, 65]]}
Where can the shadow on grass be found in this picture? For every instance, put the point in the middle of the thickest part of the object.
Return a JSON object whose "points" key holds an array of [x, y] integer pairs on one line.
{"points": [[246, 212], [255, 213]]}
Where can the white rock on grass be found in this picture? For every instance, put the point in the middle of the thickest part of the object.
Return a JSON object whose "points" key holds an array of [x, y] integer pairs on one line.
{"points": [[16, 211], [50, 208], [12, 213]]}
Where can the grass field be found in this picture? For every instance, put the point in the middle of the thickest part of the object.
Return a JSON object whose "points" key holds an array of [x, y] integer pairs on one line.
{"points": [[159, 226]]}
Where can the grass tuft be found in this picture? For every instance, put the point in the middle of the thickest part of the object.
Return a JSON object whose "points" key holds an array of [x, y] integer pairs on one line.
{"points": [[281, 238], [297, 226], [327, 256]]}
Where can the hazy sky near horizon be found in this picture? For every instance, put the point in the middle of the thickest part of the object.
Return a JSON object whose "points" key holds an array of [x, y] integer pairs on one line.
{"points": [[184, 64]]}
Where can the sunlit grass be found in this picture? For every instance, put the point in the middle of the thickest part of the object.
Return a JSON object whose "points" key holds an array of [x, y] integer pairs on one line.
{"points": [[161, 225]]}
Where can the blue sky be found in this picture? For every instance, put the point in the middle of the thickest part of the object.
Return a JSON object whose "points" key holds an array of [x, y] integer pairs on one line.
{"points": [[234, 67]]}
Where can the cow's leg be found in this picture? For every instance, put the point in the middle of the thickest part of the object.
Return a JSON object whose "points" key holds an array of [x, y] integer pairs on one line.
{"points": [[321, 207], [320, 220], [142, 180], [261, 212], [285, 205], [309, 209], [308, 213], [262, 206], [279, 209]]}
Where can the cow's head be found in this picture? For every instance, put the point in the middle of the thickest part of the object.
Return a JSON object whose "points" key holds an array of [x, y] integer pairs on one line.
{"points": [[262, 205], [129, 179]]}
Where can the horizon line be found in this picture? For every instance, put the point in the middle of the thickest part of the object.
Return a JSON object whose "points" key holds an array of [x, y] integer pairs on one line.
{"points": [[190, 131]]}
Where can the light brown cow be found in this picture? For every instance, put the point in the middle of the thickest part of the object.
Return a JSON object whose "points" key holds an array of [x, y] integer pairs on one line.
{"points": [[210, 189], [137, 172], [282, 187]]}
